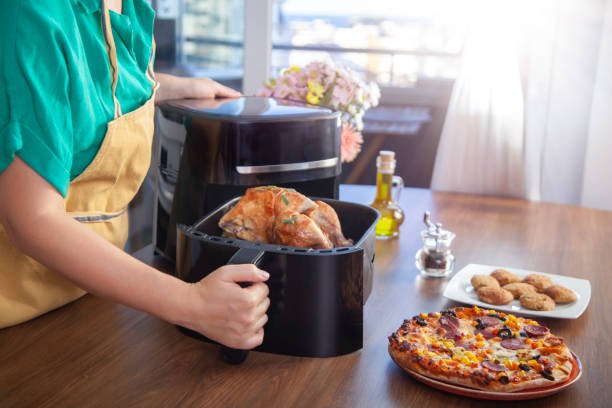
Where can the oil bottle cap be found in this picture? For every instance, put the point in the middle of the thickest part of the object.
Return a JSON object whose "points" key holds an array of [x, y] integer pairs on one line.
{"points": [[386, 161]]}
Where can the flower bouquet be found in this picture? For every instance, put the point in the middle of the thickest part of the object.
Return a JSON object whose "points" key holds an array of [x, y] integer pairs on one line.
{"points": [[338, 88]]}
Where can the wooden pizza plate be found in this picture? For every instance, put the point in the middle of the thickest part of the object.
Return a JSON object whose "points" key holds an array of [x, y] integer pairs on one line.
{"points": [[503, 396]]}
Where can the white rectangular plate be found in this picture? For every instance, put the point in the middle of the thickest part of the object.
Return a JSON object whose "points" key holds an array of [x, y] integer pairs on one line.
{"points": [[460, 289]]}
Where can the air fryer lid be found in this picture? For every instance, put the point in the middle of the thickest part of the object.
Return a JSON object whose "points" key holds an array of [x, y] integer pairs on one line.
{"points": [[256, 140], [252, 109]]}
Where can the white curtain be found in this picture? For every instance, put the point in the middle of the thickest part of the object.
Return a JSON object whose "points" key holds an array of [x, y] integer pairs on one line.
{"points": [[480, 149], [530, 114]]}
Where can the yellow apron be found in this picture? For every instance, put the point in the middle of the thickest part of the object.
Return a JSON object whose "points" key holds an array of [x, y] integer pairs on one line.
{"points": [[98, 198]]}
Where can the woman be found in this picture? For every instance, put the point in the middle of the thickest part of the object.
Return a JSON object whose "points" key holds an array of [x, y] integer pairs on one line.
{"points": [[77, 97]]}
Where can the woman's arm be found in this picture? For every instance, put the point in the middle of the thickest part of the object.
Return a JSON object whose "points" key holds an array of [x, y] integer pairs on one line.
{"points": [[174, 87], [32, 212]]}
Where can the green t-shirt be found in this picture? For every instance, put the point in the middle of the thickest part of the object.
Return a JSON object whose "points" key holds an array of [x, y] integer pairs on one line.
{"points": [[55, 80]]}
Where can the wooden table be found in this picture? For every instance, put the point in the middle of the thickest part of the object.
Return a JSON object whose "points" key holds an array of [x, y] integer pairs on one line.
{"points": [[100, 354]]}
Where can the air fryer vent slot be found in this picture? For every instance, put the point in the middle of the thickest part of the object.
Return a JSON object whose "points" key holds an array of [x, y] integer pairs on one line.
{"points": [[239, 242]]}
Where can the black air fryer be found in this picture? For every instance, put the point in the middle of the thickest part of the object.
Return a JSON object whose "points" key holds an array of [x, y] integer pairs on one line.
{"points": [[210, 151], [316, 295]]}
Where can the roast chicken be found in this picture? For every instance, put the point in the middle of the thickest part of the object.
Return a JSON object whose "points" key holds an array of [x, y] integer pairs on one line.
{"points": [[282, 216]]}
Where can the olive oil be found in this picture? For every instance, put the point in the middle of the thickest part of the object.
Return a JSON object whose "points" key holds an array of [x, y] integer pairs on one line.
{"points": [[391, 215]]}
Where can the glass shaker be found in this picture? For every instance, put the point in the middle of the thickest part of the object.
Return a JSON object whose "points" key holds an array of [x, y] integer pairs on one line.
{"points": [[387, 202], [435, 257]]}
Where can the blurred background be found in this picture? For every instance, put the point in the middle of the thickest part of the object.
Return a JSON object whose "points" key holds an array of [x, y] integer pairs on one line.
{"points": [[410, 48], [510, 98]]}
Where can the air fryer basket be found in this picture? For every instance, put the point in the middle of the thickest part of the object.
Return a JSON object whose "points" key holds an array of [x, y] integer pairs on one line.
{"points": [[317, 296]]}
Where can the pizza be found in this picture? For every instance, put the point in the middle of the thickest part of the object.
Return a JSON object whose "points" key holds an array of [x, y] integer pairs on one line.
{"points": [[481, 349]]}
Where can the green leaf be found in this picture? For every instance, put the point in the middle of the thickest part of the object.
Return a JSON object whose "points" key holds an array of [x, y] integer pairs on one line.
{"points": [[285, 200]]}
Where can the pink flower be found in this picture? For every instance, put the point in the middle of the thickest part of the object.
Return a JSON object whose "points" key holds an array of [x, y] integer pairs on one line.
{"points": [[341, 96], [339, 88], [351, 143], [282, 91]]}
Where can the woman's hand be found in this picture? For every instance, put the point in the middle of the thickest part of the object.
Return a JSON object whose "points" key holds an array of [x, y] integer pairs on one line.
{"points": [[224, 311], [174, 87]]}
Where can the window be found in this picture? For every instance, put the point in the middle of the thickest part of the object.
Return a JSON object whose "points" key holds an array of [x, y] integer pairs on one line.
{"points": [[393, 42], [212, 35]]}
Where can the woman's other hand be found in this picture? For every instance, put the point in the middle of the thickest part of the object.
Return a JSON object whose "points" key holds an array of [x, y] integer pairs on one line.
{"points": [[174, 87], [224, 311]]}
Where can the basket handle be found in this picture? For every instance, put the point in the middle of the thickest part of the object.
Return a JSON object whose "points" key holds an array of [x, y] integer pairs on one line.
{"points": [[242, 256]]}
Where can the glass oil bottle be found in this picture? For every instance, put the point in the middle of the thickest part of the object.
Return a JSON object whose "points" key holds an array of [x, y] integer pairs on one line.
{"points": [[386, 202]]}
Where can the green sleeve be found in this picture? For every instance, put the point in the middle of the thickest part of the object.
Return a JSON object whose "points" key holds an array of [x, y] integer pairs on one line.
{"points": [[35, 114]]}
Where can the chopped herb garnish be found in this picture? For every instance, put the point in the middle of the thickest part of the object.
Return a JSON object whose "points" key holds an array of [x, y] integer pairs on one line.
{"points": [[267, 188], [285, 200], [291, 220], [291, 190]]}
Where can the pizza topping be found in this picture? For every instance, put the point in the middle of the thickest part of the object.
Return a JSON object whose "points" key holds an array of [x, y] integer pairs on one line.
{"points": [[500, 317], [451, 325], [449, 322], [504, 379], [453, 334], [535, 344], [448, 312], [534, 365], [420, 321], [491, 320], [524, 367], [492, 366], [505, 333], [513, 344], [463, 343], [535, 330], [554, 341], [547, 374], [488, 332]]}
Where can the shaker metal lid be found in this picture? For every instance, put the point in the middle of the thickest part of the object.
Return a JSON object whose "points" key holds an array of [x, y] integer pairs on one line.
{"points": [[435, 231]]}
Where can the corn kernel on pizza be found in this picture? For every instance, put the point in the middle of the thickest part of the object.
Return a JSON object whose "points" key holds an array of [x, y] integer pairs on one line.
{"points": [[481, 349]]}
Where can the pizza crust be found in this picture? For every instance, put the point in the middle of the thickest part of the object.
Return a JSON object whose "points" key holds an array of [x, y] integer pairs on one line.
{"points": [[407, 362]]}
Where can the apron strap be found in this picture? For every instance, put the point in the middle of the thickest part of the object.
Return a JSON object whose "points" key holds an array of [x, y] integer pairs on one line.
{"points": [[112, 55], [150, 71]]}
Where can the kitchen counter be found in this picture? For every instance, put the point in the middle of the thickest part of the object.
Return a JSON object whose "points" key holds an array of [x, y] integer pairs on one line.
{"points": [[95, 353]]}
